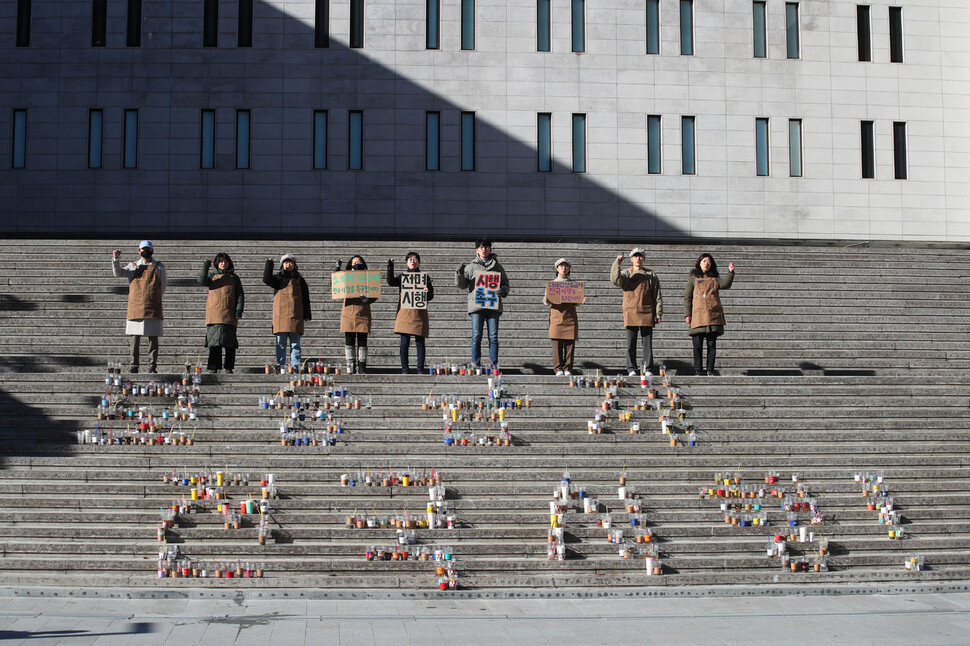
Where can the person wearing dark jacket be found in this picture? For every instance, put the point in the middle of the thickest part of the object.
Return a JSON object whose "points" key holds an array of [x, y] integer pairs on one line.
{"points": [[411, 322], [223, 309], [702, 308], [291, 308], [484, 303], [355, 320]]}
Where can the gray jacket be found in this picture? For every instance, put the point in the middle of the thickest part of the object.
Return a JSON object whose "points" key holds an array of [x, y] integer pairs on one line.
{"points": [[465, 279]]}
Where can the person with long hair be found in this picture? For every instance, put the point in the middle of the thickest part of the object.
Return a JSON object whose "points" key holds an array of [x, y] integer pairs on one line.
{"points": [[702, 309], [411, 322], [223, 309], [355, 320]]}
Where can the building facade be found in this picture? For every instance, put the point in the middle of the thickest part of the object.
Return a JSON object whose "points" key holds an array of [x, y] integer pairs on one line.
{"points": [[649, 119]]}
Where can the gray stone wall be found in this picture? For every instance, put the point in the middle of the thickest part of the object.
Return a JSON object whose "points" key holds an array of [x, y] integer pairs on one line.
{"points": [[282, 79]]}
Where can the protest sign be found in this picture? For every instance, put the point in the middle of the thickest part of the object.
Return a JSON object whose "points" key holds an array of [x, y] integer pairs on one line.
{"points": [[354, 284], [414, 295], [487, 285], [565, 291]]}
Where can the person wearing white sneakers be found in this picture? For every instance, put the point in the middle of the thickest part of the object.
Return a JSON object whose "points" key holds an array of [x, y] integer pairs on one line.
{"points": [[563, 326], [642, 307], [146, 287]]}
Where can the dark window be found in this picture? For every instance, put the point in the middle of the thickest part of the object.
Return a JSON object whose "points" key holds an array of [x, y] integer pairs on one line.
{"points": [[579, 25], [543, 18], [899, 149], [760, 30], [896, 34], [468, 24], [653, 26], [865, 34], [95, 123], [544, 141], [320, 139], [761, 147], [432, 139], [868, 150], [356, 23], [99, 23], [210, 23], [687, 145], [133, 37], [433, 29], [791, 29], [468, 141], [23, 23], [19, 152], [130, 139], [321, 24], [653, 144], [244, 31], [686, 27], [579, 143], [207, 150], [356, 158], [243, 129]]}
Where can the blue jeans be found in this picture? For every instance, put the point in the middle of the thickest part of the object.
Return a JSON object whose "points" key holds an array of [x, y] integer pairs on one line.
{"points": [[478, 321], [405, 347], [291, 340]]}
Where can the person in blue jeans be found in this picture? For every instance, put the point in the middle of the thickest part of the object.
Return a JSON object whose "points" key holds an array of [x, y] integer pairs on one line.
{"points": [[291, 308], [487, 284]]}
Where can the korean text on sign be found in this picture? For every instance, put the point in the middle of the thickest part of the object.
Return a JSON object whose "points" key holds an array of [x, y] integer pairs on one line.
{"points": [[565, 291], [354, 284], [487, 285], [414, 290]]}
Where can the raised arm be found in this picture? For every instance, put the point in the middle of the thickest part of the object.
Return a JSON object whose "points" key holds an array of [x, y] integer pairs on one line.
{"points": [[204, 278]]}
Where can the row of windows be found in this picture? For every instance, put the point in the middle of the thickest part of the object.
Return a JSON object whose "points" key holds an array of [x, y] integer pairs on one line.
{"points": [[467, 136], [577, 17]]}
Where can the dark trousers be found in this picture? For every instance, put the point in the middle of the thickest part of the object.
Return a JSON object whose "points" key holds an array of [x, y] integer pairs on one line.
{"points": [[562, 354], [134, 345], [418, 347], [698, 340], [645, 332], [215, 358], [358, 339]]}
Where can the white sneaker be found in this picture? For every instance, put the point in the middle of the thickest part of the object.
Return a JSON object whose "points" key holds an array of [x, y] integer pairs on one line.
{"points": [[559, 373], [568, 373], [632, 373]]}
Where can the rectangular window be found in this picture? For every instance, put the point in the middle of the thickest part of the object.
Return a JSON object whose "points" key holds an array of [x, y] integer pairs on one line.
{"points": [[320, 139], [543, 21], [433, 35], [207, 156], [868, 150], [579, 143], [791, 28], [864, 30], [432, 141], [468, 24], [131, 139], [760, 29], [356, 24], [468, 141], [210, 23], [578, 12], [795, 147], [355, 160], [687, 145], [321, 24], [544, 141], [23, 23], [242, 138], [895, 34], [686, 28], [19, 152], [761, 147], [244, 29], [653, 26], [899, 149], [133, 31], [95, 122], [653, 144], [99, 23]]}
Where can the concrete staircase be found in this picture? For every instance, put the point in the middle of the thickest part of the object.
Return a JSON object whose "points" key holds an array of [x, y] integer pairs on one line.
{"points": [[820, 378]]}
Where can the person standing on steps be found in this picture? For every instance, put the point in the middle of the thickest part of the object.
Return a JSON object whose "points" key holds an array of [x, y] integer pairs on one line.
{"points": [[291, 308], [411, 322], [146, 287], [355, 320], [223, 309], [702, 308], [563, 326], [642, 307], [485, 298]]}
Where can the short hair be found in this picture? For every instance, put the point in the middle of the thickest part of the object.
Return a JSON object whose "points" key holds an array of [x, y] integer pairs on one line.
{"points": [[483, 242], [412, 253]]}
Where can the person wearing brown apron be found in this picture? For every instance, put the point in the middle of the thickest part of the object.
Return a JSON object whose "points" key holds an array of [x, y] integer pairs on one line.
{"points": [[563, 326], [355, 322], [642, 307], [291, 308], [146, 286], [702, 308], [223, 309], [411, 321]]}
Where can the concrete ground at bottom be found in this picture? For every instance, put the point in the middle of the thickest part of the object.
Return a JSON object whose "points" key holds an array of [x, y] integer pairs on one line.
{"points": [[929, 618]]}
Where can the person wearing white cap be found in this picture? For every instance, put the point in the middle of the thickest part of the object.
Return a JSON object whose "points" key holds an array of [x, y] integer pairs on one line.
{"points": [[291, 308], [642, 307], [146, 287], [563, 326]]}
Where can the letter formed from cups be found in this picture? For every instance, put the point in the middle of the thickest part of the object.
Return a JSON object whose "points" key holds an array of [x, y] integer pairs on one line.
{"points": [[354, 284], [565, 291], [414, 294], [487, 286]]}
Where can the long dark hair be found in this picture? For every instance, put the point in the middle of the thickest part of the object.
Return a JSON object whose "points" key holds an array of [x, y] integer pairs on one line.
{"points": [[697, 271], [350, 263], [219, 258]]}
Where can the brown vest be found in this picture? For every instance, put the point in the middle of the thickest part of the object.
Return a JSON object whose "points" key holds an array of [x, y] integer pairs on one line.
{"points": [[706, 306], [145, 294], [355, 316], [563, 322], [288, 307], [638, 301], [410, 321], [220, 306]]}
